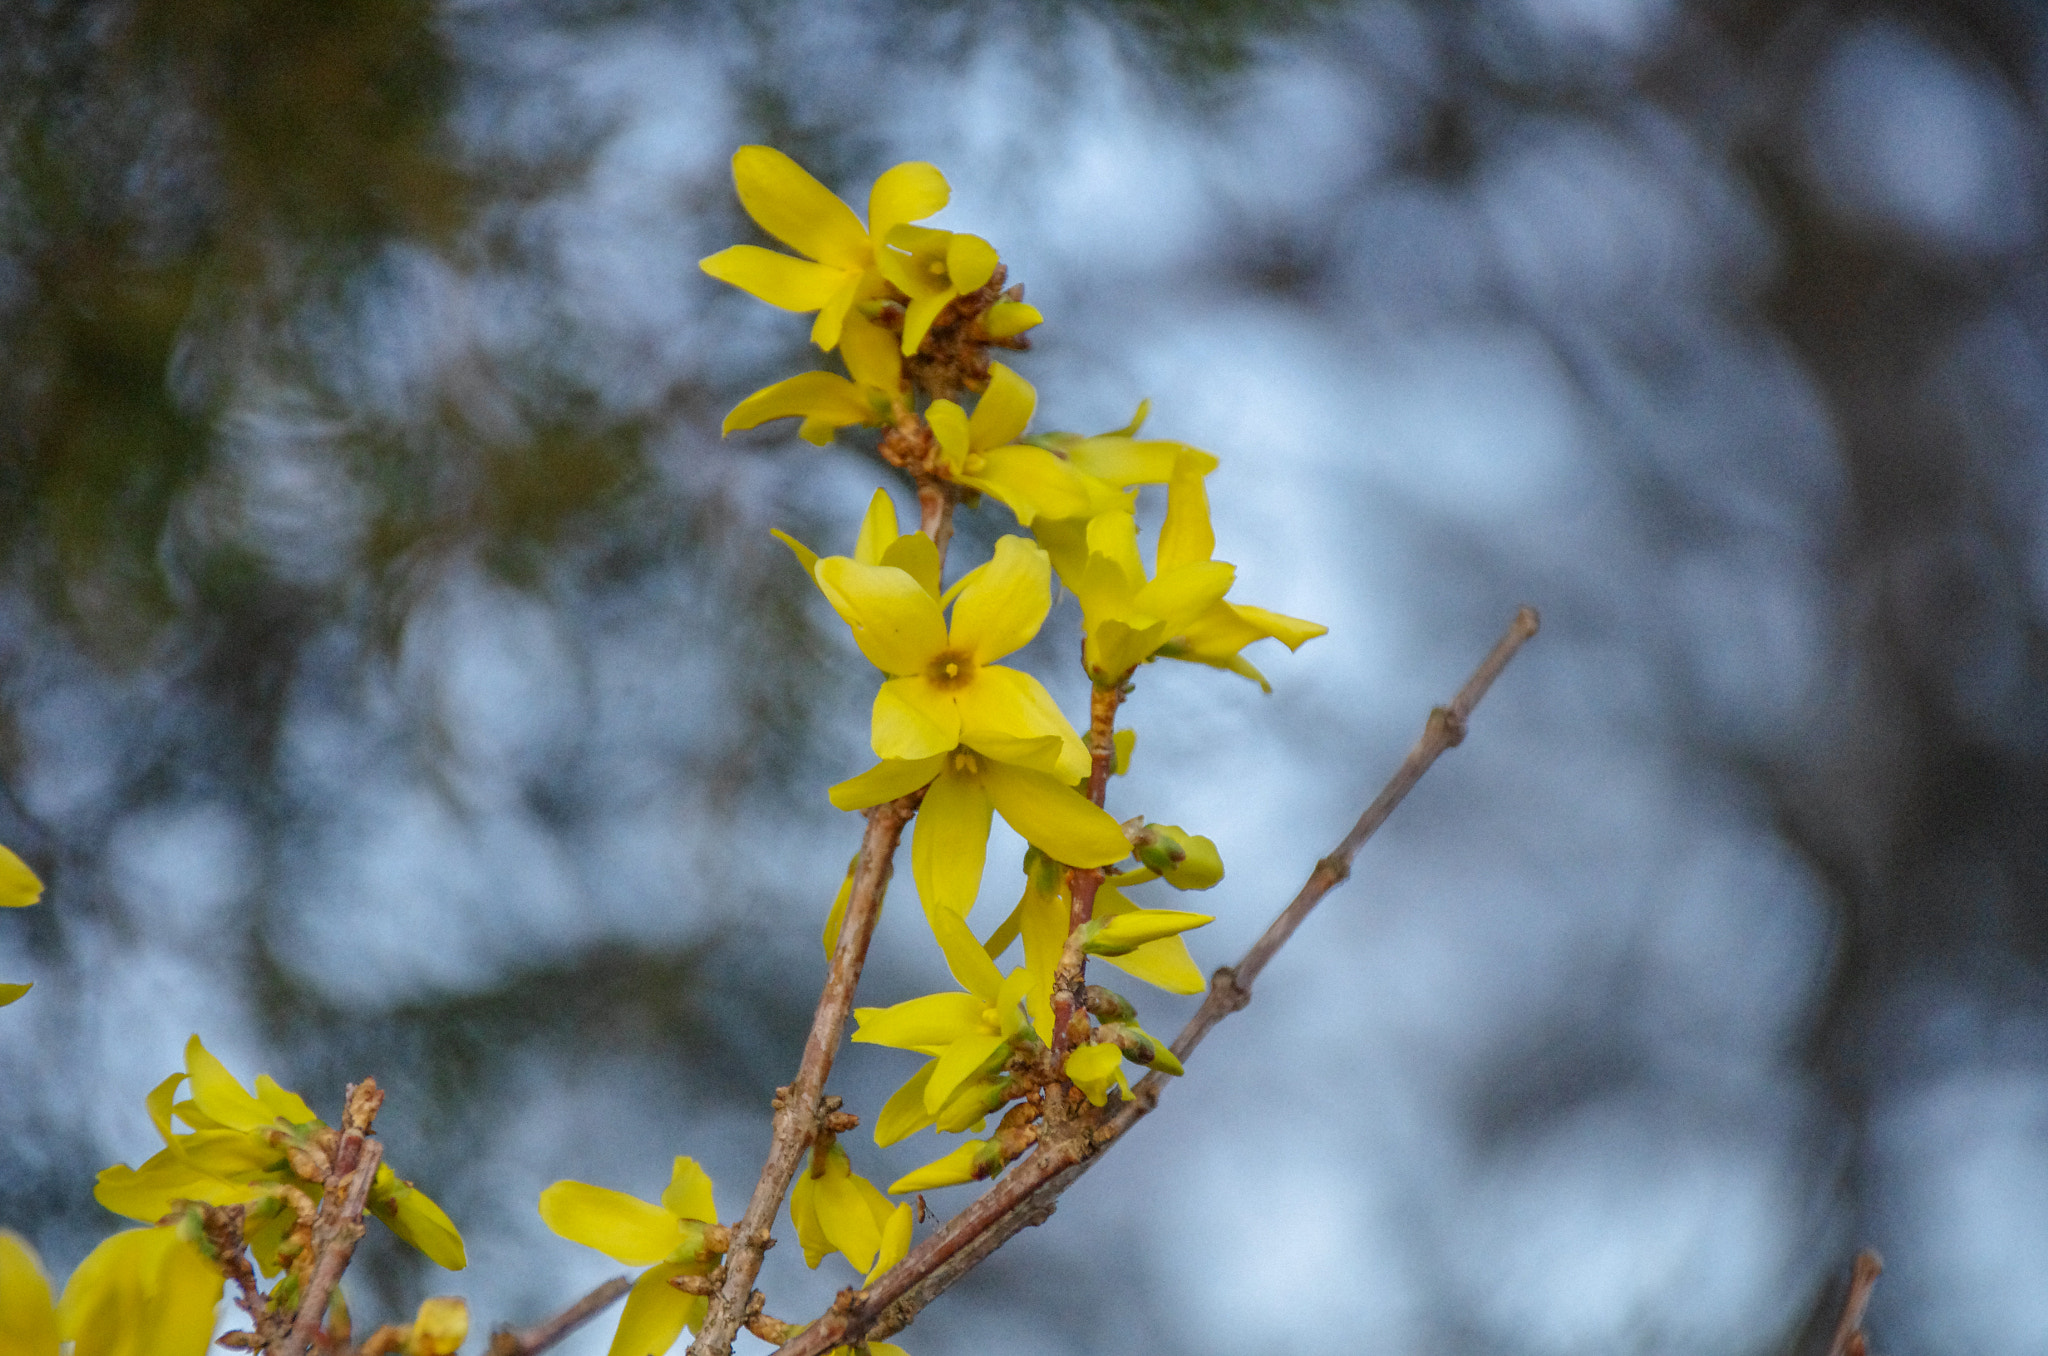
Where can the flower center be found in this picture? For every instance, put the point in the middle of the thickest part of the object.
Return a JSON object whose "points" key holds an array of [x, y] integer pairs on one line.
{"points": [[950, 669]]}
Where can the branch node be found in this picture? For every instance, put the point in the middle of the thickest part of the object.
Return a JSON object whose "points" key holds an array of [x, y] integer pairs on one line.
{"points": [[1446, 725], [1230, 995], [1337, 867]]}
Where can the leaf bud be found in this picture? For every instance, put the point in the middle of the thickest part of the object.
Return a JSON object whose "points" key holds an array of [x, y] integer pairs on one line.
{"points": [[1106, 1005]]}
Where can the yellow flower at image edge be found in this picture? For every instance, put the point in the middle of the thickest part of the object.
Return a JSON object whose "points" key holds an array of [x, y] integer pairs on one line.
{"points": [[676, 1236], [28, 1316], [141, 1282], [19, 888]]}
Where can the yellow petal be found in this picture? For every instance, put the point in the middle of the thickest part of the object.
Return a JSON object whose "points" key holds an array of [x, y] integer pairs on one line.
{"points": [[825, 396], [28, 1319], [835, 918], [949, 424], [903, 1114], [803, 1213], [1034, 484], [806, 558], [1185, 538], [885, 781], [928, 1024], [282, 1102], [970, 964], [1289, 631], [1008, 715], [956, 1167], [141, 1284], [1004, 409], [830, 326], [949, 842], [915, 555], [688, 1193], [10, 992], [418, 1219], [1006, 318], [158, 1104], [895, 1247], [439, 1327], [1129, 461], [1126, 932], [905, 193], [1181, 594], [219, 1094], [844, 1217], [1093, 1068], [912, 720], [792, 284], [233, 1155], [1165, 964], [791, 205], [870, 354], [895, 622], [878, 531], [623, 1228], [146, 1193], [970, 262], [1045, 913], [918, 317], [656, 1313], [1004, 607], [962, 1060], [1054, 818], [19, 887]]}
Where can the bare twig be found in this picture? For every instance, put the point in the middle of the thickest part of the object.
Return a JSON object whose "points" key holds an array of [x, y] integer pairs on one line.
{"points": [[796, 1117], [340, 1221], [541, 1336], [1849, 1338], [1029, 1192]]}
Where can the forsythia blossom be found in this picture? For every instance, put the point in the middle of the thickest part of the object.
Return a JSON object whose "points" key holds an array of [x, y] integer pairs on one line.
{"points": [[19, 888], [142, 1292], [681, 1237]]}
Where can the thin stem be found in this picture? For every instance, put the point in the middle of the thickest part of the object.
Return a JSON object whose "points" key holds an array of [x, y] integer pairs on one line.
{"points": [[1027, 1194], [339, 1223], [541, 1336], [1849, 1338], [1071, 974], [798, 1112], [935, 511]]}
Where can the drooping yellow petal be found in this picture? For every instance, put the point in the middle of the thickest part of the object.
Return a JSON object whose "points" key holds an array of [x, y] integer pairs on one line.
{"points": [[803, 1213], [961, 1060], [1008, 715], [919, 316], [845, 1219], [806, 558], [895, 1247], [282, 1102], [1181, 594], [913, 720], [219, 1094], [146, 1193], [950, 425], [970, 262], [28, 1318], [1185, 538], [623, 1228], [949, 841], [688, 1194], [905, 193], [1292, 632], [791, 205], [1060, 822], [1004, 607], [1129, 461], [825, 396], [928, 1025], [10, 992], [418, 1219], [19, 886], [656, 1313], [870, 354], [141, 1285], [792, 284], [885, 781], [895, 622], [830, 326], [835, 918], [903, 1114], [964, 956], [1044, 914]]}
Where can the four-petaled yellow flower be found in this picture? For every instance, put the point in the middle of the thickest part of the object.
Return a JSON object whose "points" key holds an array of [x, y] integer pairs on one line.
{"points": [[142, 1292], [681, 1237], [19, 888], [835, 1209], [828, 402]]}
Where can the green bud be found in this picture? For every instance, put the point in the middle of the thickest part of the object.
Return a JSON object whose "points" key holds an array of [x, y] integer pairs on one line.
{"points": [[1186, 861], [1140, 1046], [1106, 1005]]}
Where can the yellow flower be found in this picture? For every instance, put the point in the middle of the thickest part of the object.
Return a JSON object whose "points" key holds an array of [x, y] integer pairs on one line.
{"points": [[1178, 613], [835, 1209], [19, 888], [28, 1319], [944, 687], [846, 262], [680, 1236], [245, 1148], [970, 1035], [826, 401], [438, 1329], [143, 1292], [881, 542], [981, 452]]}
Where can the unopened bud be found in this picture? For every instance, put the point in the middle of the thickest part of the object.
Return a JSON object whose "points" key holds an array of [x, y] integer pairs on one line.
{"points": [[973, 1103], [1139, 1046], [1186, 861], [1106, 1005]]}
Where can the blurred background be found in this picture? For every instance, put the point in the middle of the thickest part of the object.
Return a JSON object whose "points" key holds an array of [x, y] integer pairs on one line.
{"points": [[397, 676]]}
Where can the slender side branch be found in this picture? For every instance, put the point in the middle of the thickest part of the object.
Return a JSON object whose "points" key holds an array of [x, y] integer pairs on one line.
{"points": [[1849, 1338], [541, 1336], [1027, 1194], [340, 1222], [797, 1114]]}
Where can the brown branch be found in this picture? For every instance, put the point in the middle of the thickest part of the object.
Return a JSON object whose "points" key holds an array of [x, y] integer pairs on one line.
{"points": [[339, 1223], [1849, 1338], [541, 1336], [797, 1115], [1029, 1192]]}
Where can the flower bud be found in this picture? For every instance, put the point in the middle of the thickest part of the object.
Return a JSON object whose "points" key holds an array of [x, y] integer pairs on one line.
{"points": [[1106, 1005], [1186, 861], [438, 1329]]}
